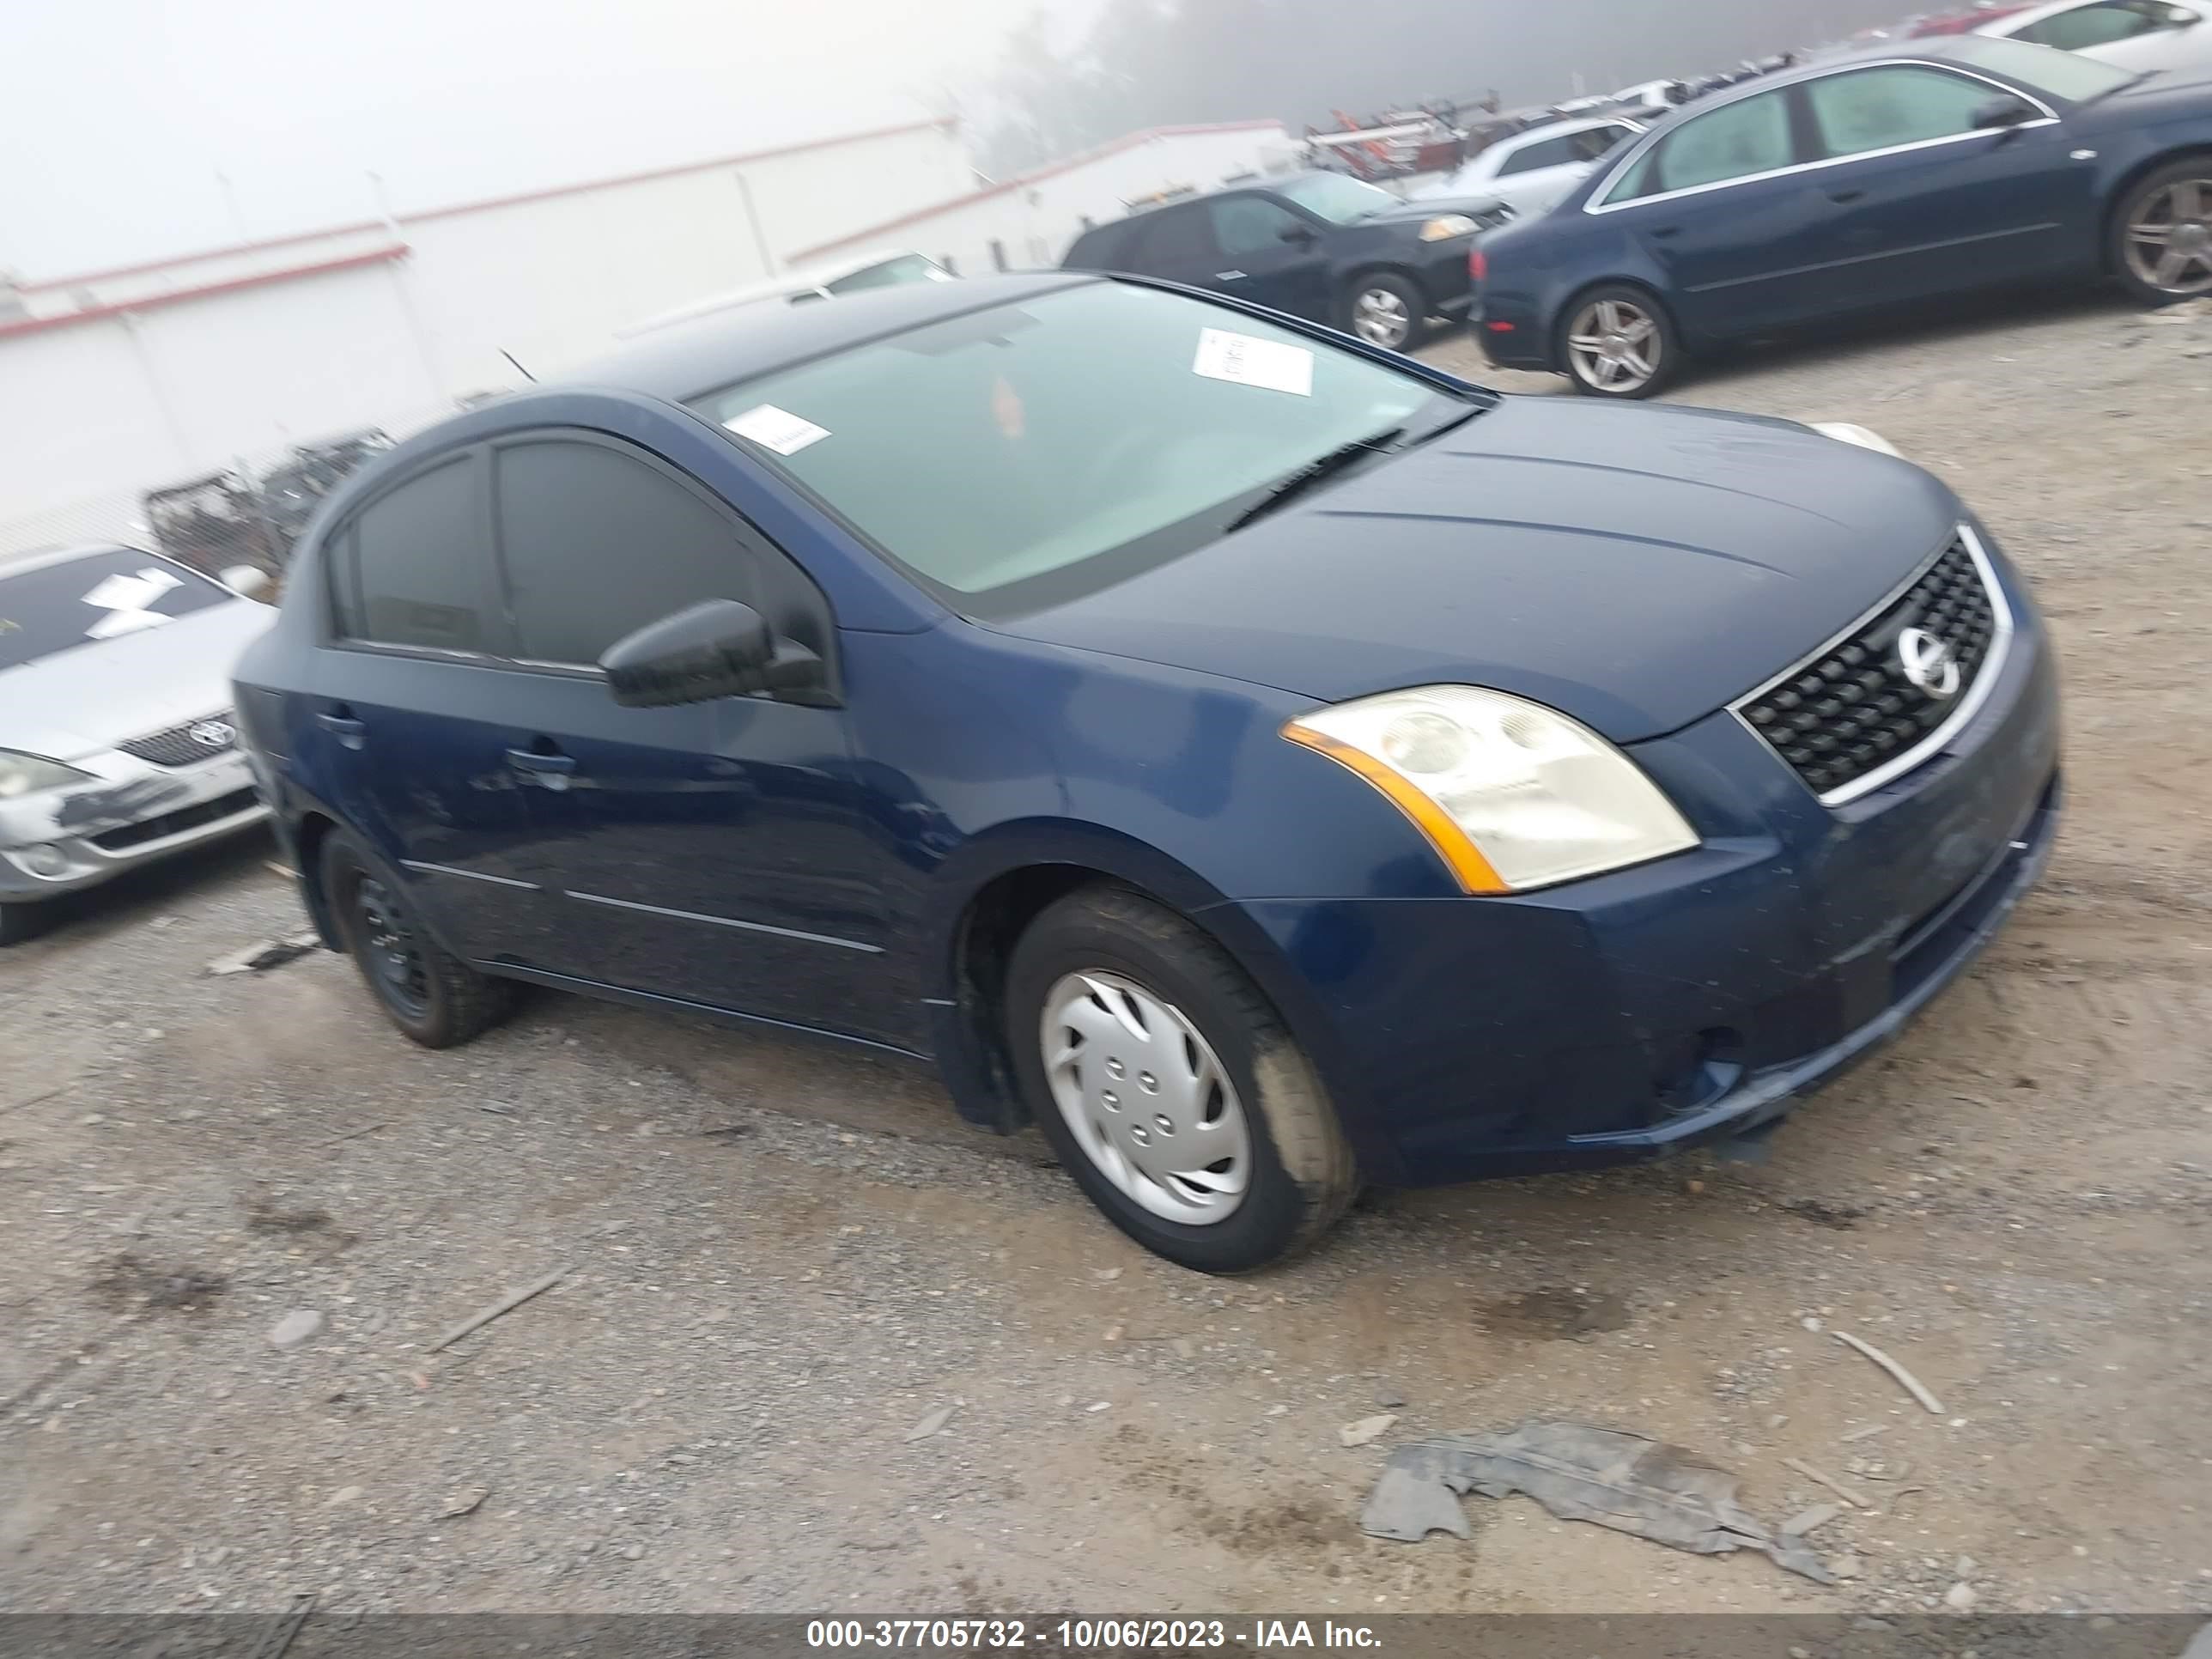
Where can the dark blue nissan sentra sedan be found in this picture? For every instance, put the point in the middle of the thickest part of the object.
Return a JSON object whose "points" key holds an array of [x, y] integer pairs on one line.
{"points": [[1264, 762]]}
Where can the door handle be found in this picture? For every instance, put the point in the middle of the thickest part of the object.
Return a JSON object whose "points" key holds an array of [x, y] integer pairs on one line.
{"points": [[1228, 276], [540, 763], [1661, 233], [1845, 197], [349, 732]]}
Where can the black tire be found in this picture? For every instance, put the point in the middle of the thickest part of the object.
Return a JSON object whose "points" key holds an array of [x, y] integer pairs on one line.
{"points": [[19, 923], [430, 994], [1301, 1173], [2135, 263], [1583, 311], [1402, 290]]}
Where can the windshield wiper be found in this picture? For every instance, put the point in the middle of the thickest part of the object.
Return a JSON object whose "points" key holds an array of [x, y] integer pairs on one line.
{"points": [[1315, 472]]}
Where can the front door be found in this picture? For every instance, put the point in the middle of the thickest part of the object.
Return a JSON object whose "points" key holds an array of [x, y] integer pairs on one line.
{"points": [[712, 852], [1924, 202], [1270, 256]]}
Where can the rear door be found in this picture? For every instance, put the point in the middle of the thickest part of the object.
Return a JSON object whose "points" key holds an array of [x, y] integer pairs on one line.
{"points": [[1721, 206], [1269, 255], [411, 705], [1924, 202], [714, 852]]}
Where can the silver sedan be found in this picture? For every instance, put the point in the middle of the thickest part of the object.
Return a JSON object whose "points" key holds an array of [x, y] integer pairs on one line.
{"points": [[116, 741]]}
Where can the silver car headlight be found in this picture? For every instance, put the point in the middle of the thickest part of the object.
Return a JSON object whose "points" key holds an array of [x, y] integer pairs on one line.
{"points": [[1845, 432], [24, 774], [1512, 795], [1450, 225]]}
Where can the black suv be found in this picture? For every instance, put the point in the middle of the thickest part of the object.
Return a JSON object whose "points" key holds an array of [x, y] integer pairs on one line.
{"points": [[1316, 245]]}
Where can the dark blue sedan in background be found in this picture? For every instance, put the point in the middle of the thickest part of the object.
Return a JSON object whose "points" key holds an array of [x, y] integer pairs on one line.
{"points": [[1264, 762], [1866, 182]]}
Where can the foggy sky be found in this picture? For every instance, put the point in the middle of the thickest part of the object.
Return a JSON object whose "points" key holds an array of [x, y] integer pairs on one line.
{"points": [[117, 116]]}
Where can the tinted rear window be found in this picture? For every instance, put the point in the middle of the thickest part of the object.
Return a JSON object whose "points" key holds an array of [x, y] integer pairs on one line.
{"points": [[58, 607]]}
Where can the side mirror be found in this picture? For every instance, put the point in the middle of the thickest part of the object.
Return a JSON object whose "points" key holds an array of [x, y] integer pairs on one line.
{"points": [[245, 581], [2182, 17], [1298, 235], [716, 648], [1999, 113]]}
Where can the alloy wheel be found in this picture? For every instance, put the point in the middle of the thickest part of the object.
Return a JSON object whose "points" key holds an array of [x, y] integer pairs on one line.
{"points": [[390, 950], [2169, 238], [1380, 318], [1615, 345], [1146, 1098]]}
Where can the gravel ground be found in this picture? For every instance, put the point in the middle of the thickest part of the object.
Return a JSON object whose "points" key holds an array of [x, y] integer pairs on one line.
{"points": [[782, 1263]]}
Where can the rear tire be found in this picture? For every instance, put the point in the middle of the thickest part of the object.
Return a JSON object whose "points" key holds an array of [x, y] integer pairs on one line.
{"points": [[1617, 341], [1161, 1007], [2160, 241], [1385, 309], [433, 996]]}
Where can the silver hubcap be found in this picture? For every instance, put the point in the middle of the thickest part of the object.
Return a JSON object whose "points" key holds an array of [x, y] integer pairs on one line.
{"points": [[2170, 238], [1614, 344], [1146, 1098], [1380, 318]]}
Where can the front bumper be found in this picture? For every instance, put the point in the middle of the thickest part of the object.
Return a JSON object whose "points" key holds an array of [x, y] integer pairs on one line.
{"points": [[1692, 998], [131, 812]]}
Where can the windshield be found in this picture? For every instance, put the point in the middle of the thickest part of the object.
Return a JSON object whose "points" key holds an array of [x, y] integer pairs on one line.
{"points": [[1336, 198], [2045, 68], [58, 607], [907, 267], [1019, 455]]}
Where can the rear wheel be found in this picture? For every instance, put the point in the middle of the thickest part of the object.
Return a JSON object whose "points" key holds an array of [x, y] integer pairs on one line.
{"points": [[430, 994], [1169, 1087], [2161, 245], [1618, 342], [1385, 309]]}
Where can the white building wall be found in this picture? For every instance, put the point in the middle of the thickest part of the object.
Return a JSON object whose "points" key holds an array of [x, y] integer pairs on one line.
{"points": [[94, 412], [1034, 217]]}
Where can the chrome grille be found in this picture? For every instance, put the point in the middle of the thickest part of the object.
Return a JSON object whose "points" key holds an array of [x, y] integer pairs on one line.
{"points": [[177, 746], [1852, 714]]}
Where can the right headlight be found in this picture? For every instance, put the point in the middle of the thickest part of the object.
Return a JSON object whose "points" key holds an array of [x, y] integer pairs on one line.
{"points": [[23, 774], [1512, 795]]}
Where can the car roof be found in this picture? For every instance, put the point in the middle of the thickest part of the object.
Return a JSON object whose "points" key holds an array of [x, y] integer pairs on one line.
{"points": [[686, 361], [1935, 49]]}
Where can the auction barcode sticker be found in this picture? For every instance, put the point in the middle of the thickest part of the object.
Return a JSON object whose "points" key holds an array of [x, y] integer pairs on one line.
{"points": [[775, 429], [1243, 360]]}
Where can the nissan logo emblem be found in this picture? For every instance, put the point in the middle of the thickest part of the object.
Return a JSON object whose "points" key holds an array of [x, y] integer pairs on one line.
{"points": [[1928, 663], [218, 734]]}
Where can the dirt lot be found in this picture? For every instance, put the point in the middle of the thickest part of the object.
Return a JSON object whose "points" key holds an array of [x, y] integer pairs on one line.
{"points": [[781, 1259]]}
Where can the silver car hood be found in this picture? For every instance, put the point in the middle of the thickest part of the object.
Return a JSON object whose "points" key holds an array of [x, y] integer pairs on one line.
{"points": [[89, 699]]}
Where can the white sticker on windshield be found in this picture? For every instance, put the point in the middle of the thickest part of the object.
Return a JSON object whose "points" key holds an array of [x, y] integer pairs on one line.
{"points": [[1245, 360], [125, 600], [775, 429]]}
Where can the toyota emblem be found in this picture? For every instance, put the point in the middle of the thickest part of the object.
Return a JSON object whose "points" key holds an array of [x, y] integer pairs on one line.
{"points": [[219, 734], [1928, 663]]}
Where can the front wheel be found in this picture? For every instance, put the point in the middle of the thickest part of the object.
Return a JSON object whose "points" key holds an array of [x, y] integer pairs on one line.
{"points": [[2161, 245], [1618, 342], [1169, 1087], [1385, 309]]}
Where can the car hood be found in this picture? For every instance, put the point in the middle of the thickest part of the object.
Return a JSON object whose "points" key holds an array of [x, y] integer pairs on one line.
{"points": [[2157, 96], [86, 699], [1635, 566]]}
